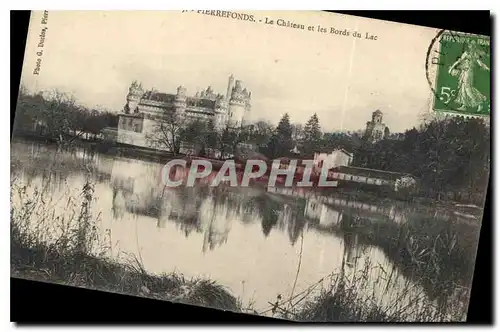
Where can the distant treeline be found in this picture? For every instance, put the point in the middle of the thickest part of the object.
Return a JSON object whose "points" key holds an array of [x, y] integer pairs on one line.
{"points": [[57, 116], [449, 156], [284, 140]]}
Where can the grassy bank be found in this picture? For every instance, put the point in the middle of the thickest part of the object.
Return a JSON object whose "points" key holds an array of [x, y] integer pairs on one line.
{"points": [[64, 246], [361, 296], [46, 263], [58, 240], [440, 254]]}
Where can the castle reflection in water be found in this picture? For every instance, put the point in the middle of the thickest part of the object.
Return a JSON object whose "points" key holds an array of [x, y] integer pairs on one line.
{"points": [[136, 188], [212, 211], [229, 234]]}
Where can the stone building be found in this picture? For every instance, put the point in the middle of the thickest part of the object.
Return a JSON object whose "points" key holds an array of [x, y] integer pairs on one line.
{"points": [[335, 158], [376, 128], [144, 109]]}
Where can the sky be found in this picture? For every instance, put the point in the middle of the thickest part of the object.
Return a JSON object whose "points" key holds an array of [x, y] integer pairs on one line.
{"points": [[95, 56]]}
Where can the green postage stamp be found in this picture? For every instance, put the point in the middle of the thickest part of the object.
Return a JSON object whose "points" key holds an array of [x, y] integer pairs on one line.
{"points": [[463, 74]]}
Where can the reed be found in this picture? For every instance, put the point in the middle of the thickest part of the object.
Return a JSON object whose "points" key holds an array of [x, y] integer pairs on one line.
{"points": [[344, 296], [64, 245], [439, 253]]}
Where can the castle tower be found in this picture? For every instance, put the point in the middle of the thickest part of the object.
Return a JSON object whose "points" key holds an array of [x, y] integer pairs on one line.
{"points": [[230, 85], [209, 93], [237, 105], [375, 129], [221, 106], [180, 100], [135, 93], [377, 116]]}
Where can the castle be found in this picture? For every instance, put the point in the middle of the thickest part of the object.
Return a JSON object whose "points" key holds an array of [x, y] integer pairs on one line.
{"points": [[144, 109], [376, 129]]}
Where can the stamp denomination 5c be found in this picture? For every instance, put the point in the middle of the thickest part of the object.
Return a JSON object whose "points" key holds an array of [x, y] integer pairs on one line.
{"points": [[462, 73]]}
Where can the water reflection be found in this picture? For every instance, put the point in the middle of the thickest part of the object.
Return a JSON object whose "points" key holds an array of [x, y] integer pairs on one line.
{"points": [[228, 234], [212, 210], [352, 249]]}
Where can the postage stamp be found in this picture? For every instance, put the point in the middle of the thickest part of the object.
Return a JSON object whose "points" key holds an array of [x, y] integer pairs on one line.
{"points": [[461, 82]]}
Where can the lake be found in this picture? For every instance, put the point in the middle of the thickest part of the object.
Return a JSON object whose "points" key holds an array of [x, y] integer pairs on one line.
{"points": [[257, 242]]}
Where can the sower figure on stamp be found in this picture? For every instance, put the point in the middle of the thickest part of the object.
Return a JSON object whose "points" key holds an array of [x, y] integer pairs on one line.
{"points": [[467, 94]]}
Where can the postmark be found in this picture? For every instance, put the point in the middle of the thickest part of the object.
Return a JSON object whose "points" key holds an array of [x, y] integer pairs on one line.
{"points": [[458, 72]]}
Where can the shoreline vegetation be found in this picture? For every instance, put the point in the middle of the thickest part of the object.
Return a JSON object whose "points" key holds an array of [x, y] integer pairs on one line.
{"points": [[45, 263], [67, 247], [449, 156], [76, 256], [137, 153]]}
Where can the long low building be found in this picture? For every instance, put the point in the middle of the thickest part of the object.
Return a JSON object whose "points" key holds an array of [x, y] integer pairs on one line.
{"points": [[367, 176]]}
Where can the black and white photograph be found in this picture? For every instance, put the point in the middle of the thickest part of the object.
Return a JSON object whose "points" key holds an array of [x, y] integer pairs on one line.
{"points": [[300, 165]]}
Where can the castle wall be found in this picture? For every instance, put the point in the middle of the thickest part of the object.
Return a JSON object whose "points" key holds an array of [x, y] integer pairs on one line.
{"points": [[130, 123], [221, 120], [143, 109], [140, 138], [132, 138], [154, 107], [377, 130], [132, 104], [236, 114]]}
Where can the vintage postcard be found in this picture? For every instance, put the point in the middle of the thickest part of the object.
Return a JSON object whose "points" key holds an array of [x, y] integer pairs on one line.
{"points": [[304, 165]]}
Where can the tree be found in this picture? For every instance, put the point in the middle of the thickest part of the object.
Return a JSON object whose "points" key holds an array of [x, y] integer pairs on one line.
{"points": [[210, 135], [262, 132], [29, 109], [56, 115], [63, 118], [297, 134], [387, 132], [227, 141], [192, 132], [281, 141], [312, 135], [242, 135], [284, 131], [449, 155], [168, 132], [297, 131], [341, 140]]}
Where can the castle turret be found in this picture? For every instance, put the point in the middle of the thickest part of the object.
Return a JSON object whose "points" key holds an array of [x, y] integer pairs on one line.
{"points": [[209, 93], [377, 116], [135, 93], [237, 105], [180, 100], [375, 129]]}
